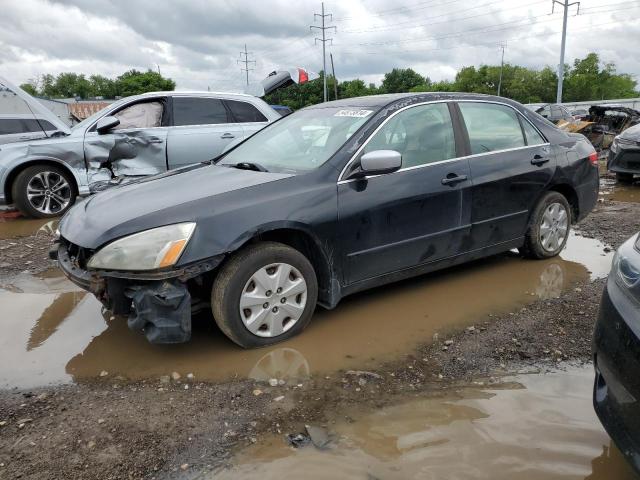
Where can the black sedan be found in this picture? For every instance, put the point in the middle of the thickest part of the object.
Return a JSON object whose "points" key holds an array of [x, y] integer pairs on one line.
{"points": [[616, 392], [624, 154], [333, 199]]}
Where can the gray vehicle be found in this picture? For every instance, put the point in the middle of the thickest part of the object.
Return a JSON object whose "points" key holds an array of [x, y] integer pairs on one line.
{"points": [[134, 137], [19, 127]]}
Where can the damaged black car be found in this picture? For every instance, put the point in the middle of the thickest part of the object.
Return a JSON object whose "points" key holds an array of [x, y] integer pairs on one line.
{"points": [[330, 200], [624, 155]]}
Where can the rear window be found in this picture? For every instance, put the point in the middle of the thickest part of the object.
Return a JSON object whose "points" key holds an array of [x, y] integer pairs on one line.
{"points": [[198, 111], [33, 125], [244, 112]]}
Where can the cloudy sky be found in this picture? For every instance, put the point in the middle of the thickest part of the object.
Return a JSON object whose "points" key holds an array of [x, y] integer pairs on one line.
{"points": [[197, 42]]}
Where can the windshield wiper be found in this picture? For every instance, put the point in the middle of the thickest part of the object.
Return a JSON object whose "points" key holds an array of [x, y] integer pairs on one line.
{"points": [[256, 167]]}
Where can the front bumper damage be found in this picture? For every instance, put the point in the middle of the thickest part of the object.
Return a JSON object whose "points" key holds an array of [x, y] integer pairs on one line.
{"points": [[158, 304]]}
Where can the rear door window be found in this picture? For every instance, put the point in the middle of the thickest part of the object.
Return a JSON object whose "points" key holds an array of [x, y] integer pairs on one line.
{"points": [[11, 125], [33, 125], [244, 112], [199, 111], [491, 127], [531, 134]]}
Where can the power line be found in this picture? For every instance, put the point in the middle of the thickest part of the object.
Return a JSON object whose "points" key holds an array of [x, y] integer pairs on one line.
{"points": [[322, 16], [403, 10], [246, 62], [407, 24]]}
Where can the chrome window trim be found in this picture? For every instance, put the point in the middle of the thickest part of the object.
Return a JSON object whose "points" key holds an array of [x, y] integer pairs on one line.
{"points": [[342, 180]]}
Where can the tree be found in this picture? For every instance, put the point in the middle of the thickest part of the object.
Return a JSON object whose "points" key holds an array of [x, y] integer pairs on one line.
{"points": [[102, 86], [402, 80], [29, 88], [134, 82]]}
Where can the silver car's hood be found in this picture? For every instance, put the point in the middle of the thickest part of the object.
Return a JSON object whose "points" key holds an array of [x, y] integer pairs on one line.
{"points": [[36, 106]]}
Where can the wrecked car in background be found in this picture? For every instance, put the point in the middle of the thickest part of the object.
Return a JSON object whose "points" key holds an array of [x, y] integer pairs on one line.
{"points": [[134, 137], [331, 200], [624, 154], [603, 123], [554, 112]]}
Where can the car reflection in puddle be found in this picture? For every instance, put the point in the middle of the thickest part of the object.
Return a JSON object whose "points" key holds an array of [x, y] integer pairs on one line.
{"points": [[610, 189], [530, 427], [11, 228], [56, 333]]}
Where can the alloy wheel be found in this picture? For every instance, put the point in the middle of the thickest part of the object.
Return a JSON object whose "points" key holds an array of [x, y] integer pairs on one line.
{"points": [[273, 300], [48, 192], [554, 227]]}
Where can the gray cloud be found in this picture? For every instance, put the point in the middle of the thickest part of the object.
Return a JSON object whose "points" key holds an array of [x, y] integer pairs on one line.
{"points": [[197, 42]]}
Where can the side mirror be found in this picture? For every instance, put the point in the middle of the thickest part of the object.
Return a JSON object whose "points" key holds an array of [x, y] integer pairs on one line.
{"points": [[107, 123], [379, 162]]}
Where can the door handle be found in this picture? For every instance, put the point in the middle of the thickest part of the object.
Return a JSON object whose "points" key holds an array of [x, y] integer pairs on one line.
{"points": [[155, 140], [227, 135], [539, 160], [453, 179]]}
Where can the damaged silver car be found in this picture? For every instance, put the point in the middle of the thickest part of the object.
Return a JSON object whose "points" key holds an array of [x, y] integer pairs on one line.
{"points": [[134, 137]]}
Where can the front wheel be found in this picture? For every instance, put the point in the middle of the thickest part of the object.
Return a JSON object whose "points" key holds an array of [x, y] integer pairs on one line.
{"points": [[548, 228], [43, 191], [265, 294]]}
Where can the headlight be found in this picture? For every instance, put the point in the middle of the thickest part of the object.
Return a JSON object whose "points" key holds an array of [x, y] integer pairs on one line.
{"points": [[619, 143], [628, 273], [148, 250], [637, 245]]}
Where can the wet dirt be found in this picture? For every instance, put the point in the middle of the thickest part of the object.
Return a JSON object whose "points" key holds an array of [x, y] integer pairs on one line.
{"points": [[530, 426], [57, 334]]}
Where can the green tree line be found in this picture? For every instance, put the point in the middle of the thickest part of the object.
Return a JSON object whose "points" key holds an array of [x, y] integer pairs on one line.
{"points": [[587, 79], [77, 85]]}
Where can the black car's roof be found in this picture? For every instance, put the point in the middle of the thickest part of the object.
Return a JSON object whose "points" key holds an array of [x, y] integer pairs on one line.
{"points": [[383, 100]]}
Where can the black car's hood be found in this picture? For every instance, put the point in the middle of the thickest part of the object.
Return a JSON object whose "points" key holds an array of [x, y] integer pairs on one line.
{"points": [[178, 196]]}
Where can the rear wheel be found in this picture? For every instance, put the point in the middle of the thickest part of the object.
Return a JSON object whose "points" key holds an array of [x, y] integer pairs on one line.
{"points": [[265, 294], [624, 177], [43, 191], [548, 228]]}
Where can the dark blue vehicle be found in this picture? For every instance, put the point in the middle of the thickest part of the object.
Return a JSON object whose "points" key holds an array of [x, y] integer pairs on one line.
{"points": [[333, 199], [616, 392]]}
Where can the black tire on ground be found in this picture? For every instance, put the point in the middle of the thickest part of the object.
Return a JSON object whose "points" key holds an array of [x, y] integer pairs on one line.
{"points": [[533, 247], [19, 191], [624, 177], [234, 275]]}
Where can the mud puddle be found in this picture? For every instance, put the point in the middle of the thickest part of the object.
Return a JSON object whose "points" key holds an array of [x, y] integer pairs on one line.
{"points": [[56, 333], [532, 427], [11, 228], [610, 189]]}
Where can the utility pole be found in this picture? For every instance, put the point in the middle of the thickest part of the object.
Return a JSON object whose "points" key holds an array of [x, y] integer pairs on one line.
{"points": [[502, 46], [335, 80], [246, 62], [565, 6], [322, 16]]}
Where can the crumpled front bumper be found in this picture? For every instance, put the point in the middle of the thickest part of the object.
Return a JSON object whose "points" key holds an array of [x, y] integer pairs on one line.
{"points": [[158, 303]]}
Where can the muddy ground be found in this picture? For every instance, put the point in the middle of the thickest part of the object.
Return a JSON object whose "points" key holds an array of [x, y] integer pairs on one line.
{"points": [[165, 427]]}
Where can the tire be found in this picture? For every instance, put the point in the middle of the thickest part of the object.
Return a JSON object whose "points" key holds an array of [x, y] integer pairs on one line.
{"points": [[624, 177], [44, 179], [282, 318], [546, 219]]}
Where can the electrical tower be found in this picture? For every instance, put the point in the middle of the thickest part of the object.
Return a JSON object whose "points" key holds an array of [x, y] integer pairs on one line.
{"points": [[322, 16], [565, 6], [502, 45], [246, 62]]}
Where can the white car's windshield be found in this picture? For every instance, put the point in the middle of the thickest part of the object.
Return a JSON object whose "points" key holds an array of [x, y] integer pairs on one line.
{"points": [[300, 142]]}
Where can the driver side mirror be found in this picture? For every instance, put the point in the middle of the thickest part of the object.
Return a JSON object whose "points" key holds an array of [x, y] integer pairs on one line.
{"points": [[379, 162], [107, 123]]}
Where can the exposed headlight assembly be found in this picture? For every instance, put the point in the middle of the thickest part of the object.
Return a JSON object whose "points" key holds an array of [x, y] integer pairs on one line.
{"points": [[149, 250]]}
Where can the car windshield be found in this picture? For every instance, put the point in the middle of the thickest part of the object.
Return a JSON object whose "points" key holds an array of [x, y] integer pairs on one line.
{"points": [[301, 141]]}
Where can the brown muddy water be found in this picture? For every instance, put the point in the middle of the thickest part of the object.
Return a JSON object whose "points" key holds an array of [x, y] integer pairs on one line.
{"points": [[55, 333], [610, 189], [530, 427]]}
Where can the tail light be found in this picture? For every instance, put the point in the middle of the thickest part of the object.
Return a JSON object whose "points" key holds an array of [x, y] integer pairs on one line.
{"points": [[593, 158]]}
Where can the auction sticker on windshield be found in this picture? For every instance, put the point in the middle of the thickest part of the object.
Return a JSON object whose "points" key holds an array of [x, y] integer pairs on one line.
{"points": [[353, 113]]}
